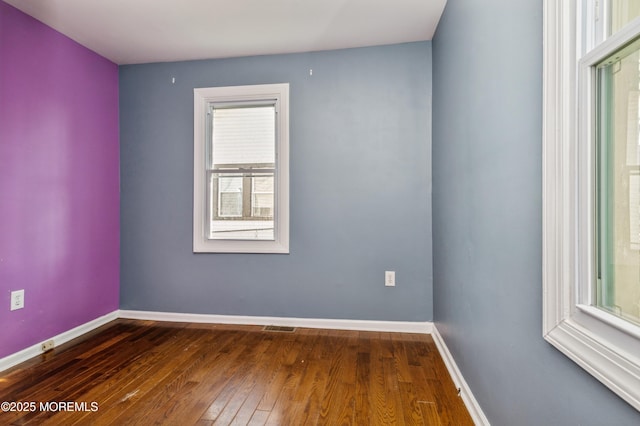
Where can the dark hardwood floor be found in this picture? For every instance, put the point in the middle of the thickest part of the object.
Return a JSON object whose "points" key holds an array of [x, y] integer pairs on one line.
{"points": [[146, 372]]}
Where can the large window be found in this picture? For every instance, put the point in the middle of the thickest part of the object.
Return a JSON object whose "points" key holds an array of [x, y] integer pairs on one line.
{"points": [[241, 169], [591, 188]]}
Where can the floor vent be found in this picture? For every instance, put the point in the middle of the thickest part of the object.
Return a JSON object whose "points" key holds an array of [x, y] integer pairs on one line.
{"points": [[279, 328]]}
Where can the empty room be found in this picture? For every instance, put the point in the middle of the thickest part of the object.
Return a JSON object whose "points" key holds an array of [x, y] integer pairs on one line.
{"points": [[332, 212]]}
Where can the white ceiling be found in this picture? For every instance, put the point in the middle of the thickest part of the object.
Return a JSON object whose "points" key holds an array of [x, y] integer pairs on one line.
{"points": [[140, 31]]}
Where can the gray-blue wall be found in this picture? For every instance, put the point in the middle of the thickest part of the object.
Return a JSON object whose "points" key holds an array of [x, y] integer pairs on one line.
{"points": [[360, 139], [487, 220]]}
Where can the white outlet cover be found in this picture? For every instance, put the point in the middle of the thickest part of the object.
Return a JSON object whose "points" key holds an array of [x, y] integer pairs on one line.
{"points": [[17, 299], [390, 278]]}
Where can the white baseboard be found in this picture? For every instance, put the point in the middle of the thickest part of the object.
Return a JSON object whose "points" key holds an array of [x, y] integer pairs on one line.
{"points": [[335, 324], [465, 392], [35, 350]]}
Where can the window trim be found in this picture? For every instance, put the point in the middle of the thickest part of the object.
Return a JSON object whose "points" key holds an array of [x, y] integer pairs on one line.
{"points": [[202, 98], [595, 340]]}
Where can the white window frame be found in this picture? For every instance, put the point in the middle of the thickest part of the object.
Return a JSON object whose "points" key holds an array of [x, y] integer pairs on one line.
{"points": [[202, 99], [604, 345]]}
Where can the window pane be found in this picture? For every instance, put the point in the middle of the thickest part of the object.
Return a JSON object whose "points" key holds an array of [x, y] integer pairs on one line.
{"points": [[244, 136], [618, 192], [232, 218], [622, 12]]}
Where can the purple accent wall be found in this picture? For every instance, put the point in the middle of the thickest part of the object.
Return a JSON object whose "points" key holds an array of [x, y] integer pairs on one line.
{"points": [[59, 182]]}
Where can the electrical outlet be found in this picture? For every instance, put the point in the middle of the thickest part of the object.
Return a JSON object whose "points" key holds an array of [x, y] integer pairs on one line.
{"points": [[47, 346], [390, 278], [17, 299]]}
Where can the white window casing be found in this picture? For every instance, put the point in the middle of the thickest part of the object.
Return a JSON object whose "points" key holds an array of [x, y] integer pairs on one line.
{"points": [[601, 343], [256, 95]]}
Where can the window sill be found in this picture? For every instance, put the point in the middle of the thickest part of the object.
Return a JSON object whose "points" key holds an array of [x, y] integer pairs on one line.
{"points": [[239, 246], [612, 320], [620, 373]]}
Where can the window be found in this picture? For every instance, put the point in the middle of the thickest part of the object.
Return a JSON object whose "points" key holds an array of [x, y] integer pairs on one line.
{"points": [[241, 170], [591, 188]]}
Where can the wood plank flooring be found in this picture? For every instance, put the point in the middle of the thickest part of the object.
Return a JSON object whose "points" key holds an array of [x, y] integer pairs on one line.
{"points": [[144, 372]]}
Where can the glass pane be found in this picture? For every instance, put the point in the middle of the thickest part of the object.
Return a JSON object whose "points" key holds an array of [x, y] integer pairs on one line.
{"points": [[243, 136], [618, 184], [236, 212], [622, 12]]}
